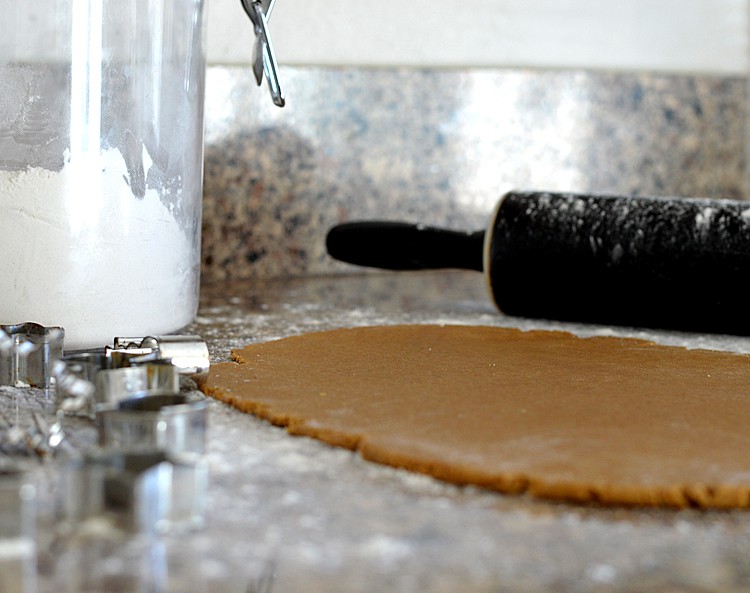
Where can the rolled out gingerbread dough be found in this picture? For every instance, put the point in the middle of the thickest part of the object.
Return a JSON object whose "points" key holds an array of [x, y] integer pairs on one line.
{"points": [[600, 419]]}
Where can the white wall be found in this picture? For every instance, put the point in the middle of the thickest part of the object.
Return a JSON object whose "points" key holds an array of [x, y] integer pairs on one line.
{"points": [[682, 35]]}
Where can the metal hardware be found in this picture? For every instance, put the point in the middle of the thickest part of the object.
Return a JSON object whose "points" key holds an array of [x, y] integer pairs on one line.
{"points": [[132, 367], [27, 353], [17, 542], [17, 498], [145, 491], [264, 57], [188, 353], [37, 438], [87, 381], [143, 378], [172, 423], [149, 474], [74, 382]]}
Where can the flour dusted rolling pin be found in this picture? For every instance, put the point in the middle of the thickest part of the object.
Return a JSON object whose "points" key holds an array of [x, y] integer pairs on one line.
{"points": [[671, 263]]}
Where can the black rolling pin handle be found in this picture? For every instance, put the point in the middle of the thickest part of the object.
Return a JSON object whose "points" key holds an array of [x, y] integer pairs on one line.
{"points": [[394, 245]]}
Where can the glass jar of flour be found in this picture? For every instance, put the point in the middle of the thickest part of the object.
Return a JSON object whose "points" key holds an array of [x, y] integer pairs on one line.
{"points": [[101, 152]]}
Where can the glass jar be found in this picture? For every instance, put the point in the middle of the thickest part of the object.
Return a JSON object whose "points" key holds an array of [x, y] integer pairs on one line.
{"points": [[101, 160]]}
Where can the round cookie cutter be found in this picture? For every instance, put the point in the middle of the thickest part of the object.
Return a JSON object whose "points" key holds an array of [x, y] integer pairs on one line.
{"points": [[175, 423]]}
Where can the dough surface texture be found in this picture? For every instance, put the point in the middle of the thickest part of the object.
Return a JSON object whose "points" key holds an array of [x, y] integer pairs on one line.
{"points": [[601, 419]]}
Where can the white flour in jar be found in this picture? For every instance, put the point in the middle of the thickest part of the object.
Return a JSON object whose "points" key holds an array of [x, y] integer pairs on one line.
{"points": [[79, 250]]}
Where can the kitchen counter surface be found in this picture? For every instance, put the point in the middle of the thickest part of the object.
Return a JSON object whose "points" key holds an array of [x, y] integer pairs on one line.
{"points": [[291, 514]]}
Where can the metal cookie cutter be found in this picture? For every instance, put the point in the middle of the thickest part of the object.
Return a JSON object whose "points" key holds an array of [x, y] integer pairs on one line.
{"points": [[144, 492], [28, 352], [264, 58], [18, 555], [188, 353], [143, 378], [37, 437], [132, 367], [89, 380], [172, 423]]}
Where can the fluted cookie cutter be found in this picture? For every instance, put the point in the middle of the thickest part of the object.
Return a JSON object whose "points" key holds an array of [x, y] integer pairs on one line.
{"points": [[28, 352], [18, 555], [137, 492], [188, 353], [172, 423]]}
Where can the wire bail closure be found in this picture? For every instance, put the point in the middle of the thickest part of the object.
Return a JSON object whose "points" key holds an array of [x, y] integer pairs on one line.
{"points": [[264, 58]]}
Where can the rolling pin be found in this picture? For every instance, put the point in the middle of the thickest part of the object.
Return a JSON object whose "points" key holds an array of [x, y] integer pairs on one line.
{"points": [[653, 262]]}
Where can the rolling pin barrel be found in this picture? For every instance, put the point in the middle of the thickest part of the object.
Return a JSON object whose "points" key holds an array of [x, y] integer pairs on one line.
{"points": [[652, 262]]}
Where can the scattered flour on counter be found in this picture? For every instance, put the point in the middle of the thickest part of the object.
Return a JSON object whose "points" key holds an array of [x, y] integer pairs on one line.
{"points": [[81, 251], [704, 217]]}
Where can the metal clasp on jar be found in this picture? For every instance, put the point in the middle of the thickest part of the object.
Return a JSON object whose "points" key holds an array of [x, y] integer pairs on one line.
{"points": [[264, 58]]}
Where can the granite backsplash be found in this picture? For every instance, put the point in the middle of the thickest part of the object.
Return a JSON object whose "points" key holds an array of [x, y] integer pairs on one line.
{"points": [[440, 146]]}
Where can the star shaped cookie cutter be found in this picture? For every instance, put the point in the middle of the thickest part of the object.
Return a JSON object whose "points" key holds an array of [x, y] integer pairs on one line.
{"points": [[27, 353], [264, 58]]}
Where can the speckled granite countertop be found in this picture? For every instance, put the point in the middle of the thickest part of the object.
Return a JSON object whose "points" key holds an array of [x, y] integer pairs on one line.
{"points": [[333, 522], [322, 519]]}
